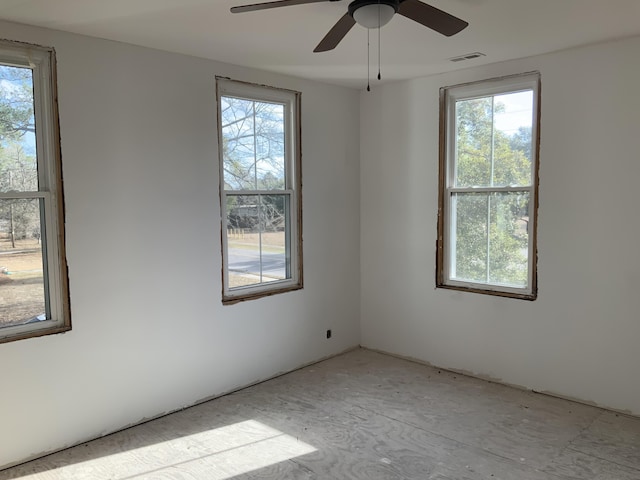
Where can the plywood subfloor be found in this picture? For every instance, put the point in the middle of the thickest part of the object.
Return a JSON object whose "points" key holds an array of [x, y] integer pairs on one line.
{"points": [[363, 415]]}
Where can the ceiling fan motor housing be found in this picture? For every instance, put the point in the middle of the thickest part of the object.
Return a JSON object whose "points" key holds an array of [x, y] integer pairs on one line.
{"points": [[373, 13]]}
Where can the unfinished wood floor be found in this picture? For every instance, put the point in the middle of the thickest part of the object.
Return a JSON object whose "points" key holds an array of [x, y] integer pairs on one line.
{"points": [[363, 415]]}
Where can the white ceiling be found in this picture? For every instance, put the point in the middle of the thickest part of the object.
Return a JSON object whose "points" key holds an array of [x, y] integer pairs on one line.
{"points": [[282, 40]]}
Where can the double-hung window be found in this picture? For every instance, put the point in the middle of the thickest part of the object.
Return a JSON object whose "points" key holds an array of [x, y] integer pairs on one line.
{"points": [[488, 186], [259, 144], [33, 274]]}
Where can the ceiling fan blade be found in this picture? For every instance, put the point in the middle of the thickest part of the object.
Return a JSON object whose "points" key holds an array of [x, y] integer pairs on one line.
{"points": [[431, 17], [278, 3], [336, 34]]}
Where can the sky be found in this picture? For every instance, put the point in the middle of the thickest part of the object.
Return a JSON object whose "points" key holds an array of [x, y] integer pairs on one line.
{"points": [[518, 111]]}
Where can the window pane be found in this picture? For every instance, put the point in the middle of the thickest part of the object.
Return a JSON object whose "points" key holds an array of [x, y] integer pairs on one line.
{"points": [[276, 235], [238, 143], [270, 146], [474, 120], [18, 167], [243, 240], [469, 234], [257, 238], [493, 140], [509, 239], [512, 139], [253, 144], [491, 238], [22, 288]]}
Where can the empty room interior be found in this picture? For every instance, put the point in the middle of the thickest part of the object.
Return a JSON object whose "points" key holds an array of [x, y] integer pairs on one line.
{"points": [[372, 240]]}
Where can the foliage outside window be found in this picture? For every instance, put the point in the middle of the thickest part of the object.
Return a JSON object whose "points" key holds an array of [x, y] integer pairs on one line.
{"points": [[488, 186], [33, 275], [260, 189]]}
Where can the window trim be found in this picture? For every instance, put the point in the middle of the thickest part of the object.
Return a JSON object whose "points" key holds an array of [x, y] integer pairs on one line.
{"points": [[42, 61], [293, 185], [448, 97]]}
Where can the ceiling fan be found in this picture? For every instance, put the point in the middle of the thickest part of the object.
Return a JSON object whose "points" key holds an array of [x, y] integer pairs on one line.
{"points": [[372, 14]]}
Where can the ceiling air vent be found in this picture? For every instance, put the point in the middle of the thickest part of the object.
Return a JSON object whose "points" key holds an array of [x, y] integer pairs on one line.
{"points": [[467, 56]]}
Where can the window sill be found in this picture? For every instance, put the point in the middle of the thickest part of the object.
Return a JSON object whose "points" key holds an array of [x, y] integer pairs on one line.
{"points": [[233, 299], [531, 296]]}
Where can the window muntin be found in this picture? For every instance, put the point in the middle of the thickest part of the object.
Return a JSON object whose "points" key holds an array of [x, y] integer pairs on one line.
{"points": [[33, 281], [488, 187], [260, 189]]}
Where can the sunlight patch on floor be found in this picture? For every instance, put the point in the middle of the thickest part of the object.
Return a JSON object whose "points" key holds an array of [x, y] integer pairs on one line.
{"points": [[217, 454]]}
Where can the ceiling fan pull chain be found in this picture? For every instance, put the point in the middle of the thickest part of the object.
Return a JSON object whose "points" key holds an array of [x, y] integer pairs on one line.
{"points": [[379, 44], [368, 62]]}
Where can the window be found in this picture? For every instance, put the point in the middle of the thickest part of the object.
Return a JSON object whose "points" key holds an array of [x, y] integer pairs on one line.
{"points": [[33, 274], [488, 186], [259, 143]]}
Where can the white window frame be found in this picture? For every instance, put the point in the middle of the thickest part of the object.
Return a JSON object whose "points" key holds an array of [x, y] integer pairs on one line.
{"points": [[446, 223], [41, 60], [293, 186]]}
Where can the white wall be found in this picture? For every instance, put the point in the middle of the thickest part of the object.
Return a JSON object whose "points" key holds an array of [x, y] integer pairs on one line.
{"points": [[150, 334], [580, 337]]}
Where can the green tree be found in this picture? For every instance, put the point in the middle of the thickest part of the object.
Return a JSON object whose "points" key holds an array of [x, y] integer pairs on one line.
{"points": [[521, 141], [491, 228]]}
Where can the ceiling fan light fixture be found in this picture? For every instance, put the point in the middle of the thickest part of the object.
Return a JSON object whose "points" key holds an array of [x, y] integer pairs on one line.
{"points": [[373, 13]]}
